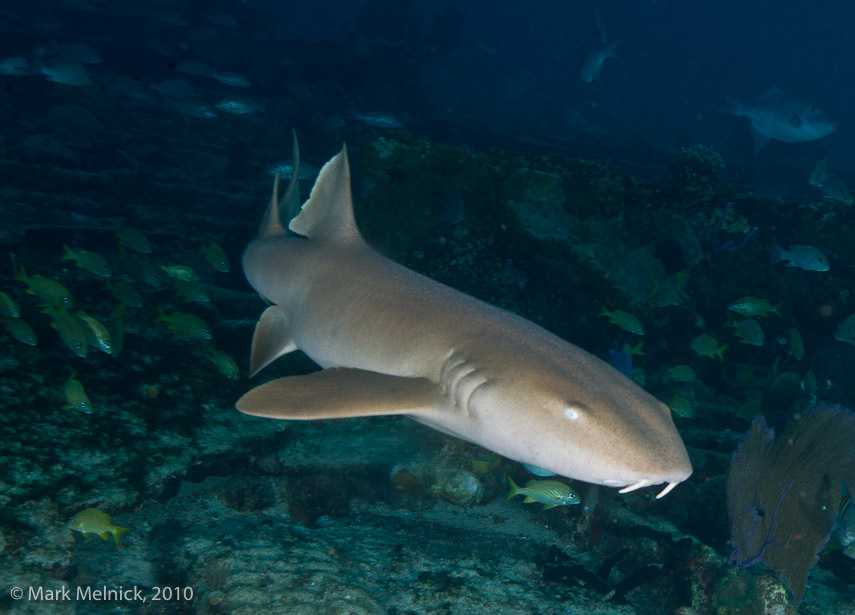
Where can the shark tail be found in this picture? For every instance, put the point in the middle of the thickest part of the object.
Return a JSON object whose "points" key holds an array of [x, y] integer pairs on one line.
{"points": [[328, 214]]}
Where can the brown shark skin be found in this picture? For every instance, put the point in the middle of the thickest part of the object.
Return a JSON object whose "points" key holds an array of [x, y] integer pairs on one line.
{"points": [[477, 372]]}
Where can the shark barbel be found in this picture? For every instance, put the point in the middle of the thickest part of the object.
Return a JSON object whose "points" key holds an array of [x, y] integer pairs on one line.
{"points": [[391, 341]]}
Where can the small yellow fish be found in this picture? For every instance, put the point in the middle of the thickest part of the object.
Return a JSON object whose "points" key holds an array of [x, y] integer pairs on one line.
{"points": [[706, 346], [181, 272], [125, 293], [92, 262], [217, 257], [75, 395], [484, 463], [754, 306], [749, 331], [99, 336], [49, 291], [551, 493], [133, 240], [8, 307], [93, 522], [637, 350], [117, 328], [144, 270], [624, 320], [682, 407], [21, 331], [191, 291], [845, 331], [186, 326], [682, 373], [224, 363], [808, 383], [70, 329]]}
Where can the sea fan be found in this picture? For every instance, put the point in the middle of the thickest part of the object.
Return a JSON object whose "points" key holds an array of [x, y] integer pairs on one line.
{"points": [[784, 495]]}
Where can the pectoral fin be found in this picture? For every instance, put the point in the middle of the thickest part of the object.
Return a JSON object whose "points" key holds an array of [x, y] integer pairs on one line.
{"points": [[271, 340], [339, 392]]}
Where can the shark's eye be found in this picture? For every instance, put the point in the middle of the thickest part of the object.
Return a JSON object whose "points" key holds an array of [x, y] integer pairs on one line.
{"points": [[571, 413]]}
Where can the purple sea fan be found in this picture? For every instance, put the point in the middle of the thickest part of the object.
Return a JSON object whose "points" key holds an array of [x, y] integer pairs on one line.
{"points": [[783, 495]]}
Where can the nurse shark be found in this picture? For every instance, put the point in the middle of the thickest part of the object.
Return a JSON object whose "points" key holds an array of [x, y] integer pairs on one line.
{"points": [[391, 341]]}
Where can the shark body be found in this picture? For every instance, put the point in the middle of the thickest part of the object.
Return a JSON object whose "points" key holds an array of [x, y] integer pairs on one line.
{"points": [[391, 341]]}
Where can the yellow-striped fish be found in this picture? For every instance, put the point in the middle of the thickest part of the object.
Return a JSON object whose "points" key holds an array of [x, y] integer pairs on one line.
{"points": [[707, 346], [93, 522], [134, 240], [99, 336], [191, 291], [70, 329], [624, 320], [8, 307], [224, 363], [186, 326], [75, 395], [185, 273], [92, 262], [550, 493], [21, 331], [217, 257], [754, 306], [49, 291]]}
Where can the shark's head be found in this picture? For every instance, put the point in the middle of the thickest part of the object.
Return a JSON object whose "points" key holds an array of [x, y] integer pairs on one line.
{"points": [[592, 423]]}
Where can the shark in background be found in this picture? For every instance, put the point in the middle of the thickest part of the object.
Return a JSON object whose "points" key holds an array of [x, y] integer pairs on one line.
{"points": [[597, 50], [391, 341]]}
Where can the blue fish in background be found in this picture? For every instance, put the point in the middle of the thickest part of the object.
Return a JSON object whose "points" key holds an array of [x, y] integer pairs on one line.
{"points": [[621, 361]]}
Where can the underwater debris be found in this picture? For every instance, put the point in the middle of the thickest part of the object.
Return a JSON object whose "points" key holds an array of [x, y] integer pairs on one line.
{"points": [[558, 567], [716, 247]]}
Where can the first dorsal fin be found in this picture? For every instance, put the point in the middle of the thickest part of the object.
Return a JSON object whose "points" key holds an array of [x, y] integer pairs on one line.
{"points": [[271, 224], [328, 214]]}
